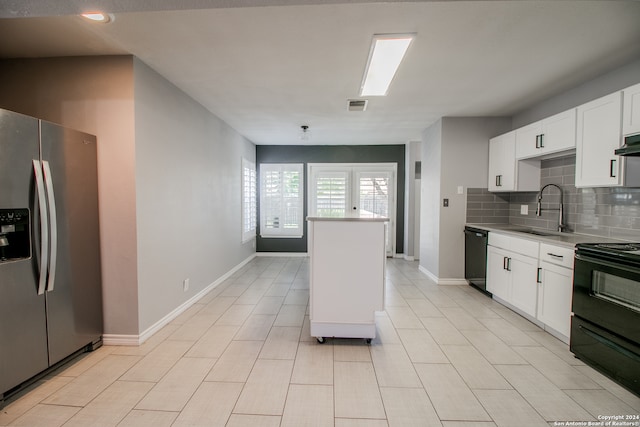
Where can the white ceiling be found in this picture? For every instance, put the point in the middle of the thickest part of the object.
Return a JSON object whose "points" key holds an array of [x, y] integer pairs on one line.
{"points": [[267, 70]]}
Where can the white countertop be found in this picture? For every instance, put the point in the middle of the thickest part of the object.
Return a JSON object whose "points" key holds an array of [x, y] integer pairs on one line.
{"points": [[318, 218], [551, 237]]}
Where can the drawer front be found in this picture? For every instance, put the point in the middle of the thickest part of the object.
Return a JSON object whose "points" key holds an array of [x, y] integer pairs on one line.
{"points": [[499, 240], [525, 247], [514, 244], [558, 255]]}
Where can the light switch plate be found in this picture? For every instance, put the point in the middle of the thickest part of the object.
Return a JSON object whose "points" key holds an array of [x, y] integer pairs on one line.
{"points": [[524, 209]]}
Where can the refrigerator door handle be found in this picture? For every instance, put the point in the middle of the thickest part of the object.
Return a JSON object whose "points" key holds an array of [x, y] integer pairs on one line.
{"points": [[44, 226], [51, 197]]}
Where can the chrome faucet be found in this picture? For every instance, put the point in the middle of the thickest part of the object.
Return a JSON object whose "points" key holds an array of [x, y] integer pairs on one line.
{"points": [[561, 225]]}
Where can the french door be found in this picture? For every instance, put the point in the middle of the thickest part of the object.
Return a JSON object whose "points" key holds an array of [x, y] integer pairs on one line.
{"points": [[362, 190]]}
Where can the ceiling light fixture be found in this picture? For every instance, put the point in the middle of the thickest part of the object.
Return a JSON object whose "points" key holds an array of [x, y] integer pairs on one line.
{"points": [[101, 17], [387, 51], [305, 133]]}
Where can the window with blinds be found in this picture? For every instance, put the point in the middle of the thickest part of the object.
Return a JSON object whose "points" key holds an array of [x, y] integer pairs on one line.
{"points": [[331, 194], [281, 200], [249, 200]]}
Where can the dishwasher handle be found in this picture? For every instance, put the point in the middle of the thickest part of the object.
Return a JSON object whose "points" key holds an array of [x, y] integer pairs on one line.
{"points": [[477, 233]]}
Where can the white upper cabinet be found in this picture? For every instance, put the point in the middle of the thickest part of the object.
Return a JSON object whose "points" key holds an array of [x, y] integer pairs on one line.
{"points": [[552, 135], [598, 135], [507, 174], [631, 110], [502, 162]]}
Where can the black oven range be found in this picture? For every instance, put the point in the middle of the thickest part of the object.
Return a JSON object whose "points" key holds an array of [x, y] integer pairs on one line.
{"points": [[605, 327]]}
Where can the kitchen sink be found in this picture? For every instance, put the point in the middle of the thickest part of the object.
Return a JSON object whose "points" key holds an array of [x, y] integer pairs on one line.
{"points": [[537, 233]]}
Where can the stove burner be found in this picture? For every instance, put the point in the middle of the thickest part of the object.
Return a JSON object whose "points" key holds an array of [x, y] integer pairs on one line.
{"points": [[620, 246]]}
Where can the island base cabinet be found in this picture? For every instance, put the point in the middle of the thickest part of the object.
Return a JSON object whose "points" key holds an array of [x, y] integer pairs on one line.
{"points": [[347, 267]]}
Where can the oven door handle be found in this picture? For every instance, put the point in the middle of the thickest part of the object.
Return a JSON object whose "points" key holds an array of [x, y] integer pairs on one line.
{"points": [[612, 265]]}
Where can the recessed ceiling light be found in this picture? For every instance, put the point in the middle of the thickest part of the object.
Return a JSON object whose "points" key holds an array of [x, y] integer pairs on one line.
{"points": [[98, 17], [387, 51]]}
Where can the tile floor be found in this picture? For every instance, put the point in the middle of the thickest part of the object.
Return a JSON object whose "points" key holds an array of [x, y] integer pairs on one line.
{"points": [[242, 356]]}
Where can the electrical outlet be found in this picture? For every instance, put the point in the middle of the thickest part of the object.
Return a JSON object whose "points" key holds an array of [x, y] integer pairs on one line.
{"points": [[524, 209], [185, 285], [460, 189]]}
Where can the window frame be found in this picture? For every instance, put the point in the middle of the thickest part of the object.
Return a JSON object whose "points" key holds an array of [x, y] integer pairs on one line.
{"points": [[284, 202], [249, 208]]}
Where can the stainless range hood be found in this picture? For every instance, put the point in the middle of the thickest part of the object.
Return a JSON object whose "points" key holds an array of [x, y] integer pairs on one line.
{"points": [[631, 146]]}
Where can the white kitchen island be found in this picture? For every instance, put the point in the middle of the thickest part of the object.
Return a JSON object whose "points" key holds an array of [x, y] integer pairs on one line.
{"points": [[347, 270]]}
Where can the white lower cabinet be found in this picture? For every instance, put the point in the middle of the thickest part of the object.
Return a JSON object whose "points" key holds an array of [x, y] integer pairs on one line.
{"points": [[524, 289], [554, 298], [498, 277], [512, 272], [534, 278], [555, 289]]}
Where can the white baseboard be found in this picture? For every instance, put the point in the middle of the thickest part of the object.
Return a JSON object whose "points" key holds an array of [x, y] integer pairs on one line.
{"points": [[439, 281], [134, 340], [409, 258], [115, 339], [282, 254]]}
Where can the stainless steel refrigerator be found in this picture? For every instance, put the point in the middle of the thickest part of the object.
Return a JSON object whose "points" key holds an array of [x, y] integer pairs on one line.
{"points": [[50, 282]]}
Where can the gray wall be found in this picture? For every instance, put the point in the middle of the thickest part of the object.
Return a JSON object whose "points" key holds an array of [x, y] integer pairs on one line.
{"points": [[331, 154], [615, 80], [188, 166], [413, 153], [169, 178], [94, 95], [430, 198], [455, 153]]}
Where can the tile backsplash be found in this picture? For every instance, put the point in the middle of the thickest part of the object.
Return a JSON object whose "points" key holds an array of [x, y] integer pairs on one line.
{"points": [[610, 212]]}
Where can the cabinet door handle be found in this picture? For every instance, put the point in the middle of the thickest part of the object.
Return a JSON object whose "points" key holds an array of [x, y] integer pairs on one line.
{"points": [[507, 263], [498, 180], [537, 141], [555, 256], [542, 140], [504, 263], [612, 168], [538, 280]]}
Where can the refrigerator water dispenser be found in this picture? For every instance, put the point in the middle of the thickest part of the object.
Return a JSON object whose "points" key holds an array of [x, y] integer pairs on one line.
{"points": [[14, 234]]}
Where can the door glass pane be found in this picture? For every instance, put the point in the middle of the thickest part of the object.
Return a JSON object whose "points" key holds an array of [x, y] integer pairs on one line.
{"points": [[374, 197], [331, 195], [617, 289]]}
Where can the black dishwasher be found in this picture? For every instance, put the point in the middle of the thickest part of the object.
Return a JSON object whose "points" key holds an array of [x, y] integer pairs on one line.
{"points": [[475, 257]]}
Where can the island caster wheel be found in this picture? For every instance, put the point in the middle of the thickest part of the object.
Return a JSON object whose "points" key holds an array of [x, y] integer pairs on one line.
{"points": [[368, 340], [320, 340]]}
